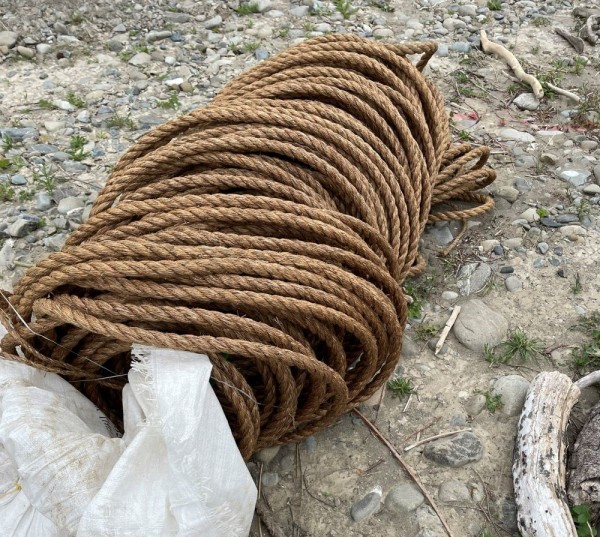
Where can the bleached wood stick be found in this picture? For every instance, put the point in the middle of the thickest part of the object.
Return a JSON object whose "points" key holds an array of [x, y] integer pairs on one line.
{"points": [[508, 57], [447, 327], [566, 93], [435, 437], [539, 472]]}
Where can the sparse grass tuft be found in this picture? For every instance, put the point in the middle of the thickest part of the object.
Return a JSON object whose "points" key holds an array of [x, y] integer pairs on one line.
{"points": [[45, 178], [247, 8], [494, 5], [383, 5], [7, 192], [77, 102], [171, 103], [577, 287], [7, 143], [425, 331], [46, 104], [400, 387], [541, 21], [76, 148], [345, 8], [542, 212], [582, 517], [251, 46], [118, 121], [587, 357], [5, 163], [517, 345]]}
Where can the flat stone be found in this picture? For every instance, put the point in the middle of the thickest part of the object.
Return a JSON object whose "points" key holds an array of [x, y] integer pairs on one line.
{"points": [[567, 218], [526, 101], [515, 135], [454, 24], [531, 215], [522, 185], [513, 244], [404, 499], [473, 277], [8, 39], [43, 48], [441, 233], [575, 177], [177, 17], [262, 6], [573, 230], [18, 180], [449, 296], [269, 479], [591, 189], [478, 325], [174, 82], [488, 245], [589, 145], [475, 404], [69, 204], [461, 46], [141, 58], [454, 491], [266, 455], [509, 193], [428, 523], [22, 226], [455, 451], [549, 158], [214, 22], [44, 149], [548, 222], [513, 284], [18, 134], [43, 201], [53, 126], [382, 33], [366, 507], [512, 390], [26, 52], [299, 11], [597, 172]]}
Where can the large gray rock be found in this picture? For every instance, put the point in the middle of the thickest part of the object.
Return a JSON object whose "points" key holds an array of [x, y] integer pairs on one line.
{"points": [[8, 39], [512, 390], [472, 278], [478, 325], [575, 177], [455, 451], [141, 58], [22, 226], [527, 101], [366, 507], [404, 499]]}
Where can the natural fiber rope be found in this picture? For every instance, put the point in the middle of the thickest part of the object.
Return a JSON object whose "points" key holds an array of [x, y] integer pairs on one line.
{"points": [[271, 230]]}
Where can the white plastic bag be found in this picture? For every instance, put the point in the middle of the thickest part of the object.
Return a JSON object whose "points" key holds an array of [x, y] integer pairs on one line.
{"points": [[175, 472]]}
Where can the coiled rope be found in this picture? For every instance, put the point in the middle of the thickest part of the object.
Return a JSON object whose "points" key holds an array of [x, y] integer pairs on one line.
{"points": [[271, 230]]}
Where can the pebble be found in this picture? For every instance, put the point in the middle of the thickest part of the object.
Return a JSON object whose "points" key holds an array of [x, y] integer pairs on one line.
{"points": [[475, 404], [589, 145], [543, 247], [441, 233], [442, 50], [549, 158], [509, 193], [153, 35], [531, 215], [488, 245], [575, 177], [513, 244], [22, 226], [573, 230], [592, 189], [567, 218], [367, 506], [381, 33], [454, 491], [43, 201], [141, 58], [597, 172], [473, 277], [299, 11], [507, 270], [8, 39], [53, 126], [461, 46], [513, 284], [515, 135], [498, 250], [454, 24], [266, 455], [18, 134], [26, 52], [263, 6], [269, 479], [449, 296], [69, 204], [18, 180], [512, 390], [404, 499], [526, 101], [214, 22], [522, 185], [455, 451], [478, 325]]}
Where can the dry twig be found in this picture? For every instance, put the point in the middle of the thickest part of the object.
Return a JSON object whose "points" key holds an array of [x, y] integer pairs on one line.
{"points": [[435, 437], [447, 327]]}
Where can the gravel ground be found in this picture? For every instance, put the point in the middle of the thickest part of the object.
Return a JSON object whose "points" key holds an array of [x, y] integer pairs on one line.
{"points": [[81, 81]]}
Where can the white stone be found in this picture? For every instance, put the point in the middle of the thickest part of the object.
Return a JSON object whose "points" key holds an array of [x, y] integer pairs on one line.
{"points": [[515, 135]]}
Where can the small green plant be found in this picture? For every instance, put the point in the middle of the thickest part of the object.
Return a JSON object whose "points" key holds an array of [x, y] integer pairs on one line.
{"points": [[400, 387], [464, 135], [587, 357], [308, 27], [18, 162], [171, 103], [45, 178], [7, 143], [494, 5], [247, 8], [582, 518], [542, 212], [41, 223], [46, 104], [25, 195], [517, 345], [492, 402], [383, 5], [284, 31], [577, 287], [426, 331], [76, 147], [251, 46], [7, 192], [345, 8], [118, 121], [5, 163], [76, 18], [77, 102]]}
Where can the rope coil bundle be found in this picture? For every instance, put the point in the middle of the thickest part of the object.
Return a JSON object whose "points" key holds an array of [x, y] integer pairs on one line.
{"points": [[271, 230]]}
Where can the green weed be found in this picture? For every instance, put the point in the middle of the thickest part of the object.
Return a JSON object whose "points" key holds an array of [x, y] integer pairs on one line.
{"points": [[345, 8], [400, 387], [518, 345], [7, 192], [247, 9]]}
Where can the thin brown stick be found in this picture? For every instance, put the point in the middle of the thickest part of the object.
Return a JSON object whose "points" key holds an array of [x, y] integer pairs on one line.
{"points": [[406, 467], [267, 517], [448, 326], [446, 251], [314, 496], [424, 428], [435, 437]]}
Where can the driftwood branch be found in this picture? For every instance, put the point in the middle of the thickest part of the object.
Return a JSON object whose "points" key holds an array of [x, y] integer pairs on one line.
{"points": [[592, 27], [566, 93], [584, 478], [539, 472], [447, 327], [576, 42], [510, 60]]}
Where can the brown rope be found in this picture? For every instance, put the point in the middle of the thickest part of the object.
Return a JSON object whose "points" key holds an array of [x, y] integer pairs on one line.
{"points": [[271, 230]]}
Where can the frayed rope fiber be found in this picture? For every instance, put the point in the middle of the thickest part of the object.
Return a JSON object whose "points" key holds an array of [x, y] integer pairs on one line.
{"points": [[271, 230]]}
